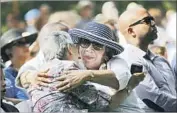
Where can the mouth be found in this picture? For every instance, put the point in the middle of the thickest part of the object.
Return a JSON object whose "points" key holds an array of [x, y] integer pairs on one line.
{"points": [[87, 58]]}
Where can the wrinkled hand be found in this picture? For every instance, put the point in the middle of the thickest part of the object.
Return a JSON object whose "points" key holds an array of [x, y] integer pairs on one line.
{"points": [[135, 79], [42, 78], [72, 79]]}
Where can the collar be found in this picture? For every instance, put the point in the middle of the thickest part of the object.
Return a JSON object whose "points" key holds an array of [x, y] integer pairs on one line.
{"points": [[149, 55], [133, 50]]}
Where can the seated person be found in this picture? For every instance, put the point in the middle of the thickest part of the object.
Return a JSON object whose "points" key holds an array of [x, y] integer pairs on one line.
{"points": [[14, 48]]}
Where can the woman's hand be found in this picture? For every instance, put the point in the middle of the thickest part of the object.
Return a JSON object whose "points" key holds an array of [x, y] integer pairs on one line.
{"points": [[135, 79], [72, 79], [42, 78]]}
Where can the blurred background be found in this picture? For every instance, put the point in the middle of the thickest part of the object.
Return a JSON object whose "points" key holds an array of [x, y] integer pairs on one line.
{"points": [[31, 16], [15, 10]]}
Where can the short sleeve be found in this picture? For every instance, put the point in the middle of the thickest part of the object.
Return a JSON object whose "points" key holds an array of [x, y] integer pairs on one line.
{"points": [[121, 70]]}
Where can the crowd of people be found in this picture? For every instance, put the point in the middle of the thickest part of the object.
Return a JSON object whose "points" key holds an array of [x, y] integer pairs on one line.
{"points": [[71, 61]]}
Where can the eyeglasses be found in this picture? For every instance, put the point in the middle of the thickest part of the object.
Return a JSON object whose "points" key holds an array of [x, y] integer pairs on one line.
{"points": [[147, 20], [86, 43], [19, 43]]}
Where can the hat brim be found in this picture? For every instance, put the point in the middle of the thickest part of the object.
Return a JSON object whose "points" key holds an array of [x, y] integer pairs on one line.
{"points": [[77, 34], [29, 39]]}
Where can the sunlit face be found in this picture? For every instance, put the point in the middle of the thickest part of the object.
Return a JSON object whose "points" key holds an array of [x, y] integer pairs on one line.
{"points": [[145, 28], [20, 50], [92, 54], [3, 90]]}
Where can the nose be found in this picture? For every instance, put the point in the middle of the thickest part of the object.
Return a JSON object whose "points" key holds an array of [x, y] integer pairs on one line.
{"points": [[153, 23]]}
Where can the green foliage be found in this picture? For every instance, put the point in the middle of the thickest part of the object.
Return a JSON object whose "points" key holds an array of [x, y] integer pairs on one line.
{"points": [[24, 6]]}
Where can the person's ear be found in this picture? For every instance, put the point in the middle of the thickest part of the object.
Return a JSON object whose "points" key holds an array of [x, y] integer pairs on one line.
{"points": [[131, 32]]}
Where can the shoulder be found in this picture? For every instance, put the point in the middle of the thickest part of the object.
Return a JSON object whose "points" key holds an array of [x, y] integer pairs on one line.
{"points": [[116, 60], [8, 69], [10, 72], [160, 61], [118, 65], [33, 64]]}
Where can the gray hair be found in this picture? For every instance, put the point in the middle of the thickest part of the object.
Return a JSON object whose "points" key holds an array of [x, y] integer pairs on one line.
{"points": [[53, 40], [56, 45]]}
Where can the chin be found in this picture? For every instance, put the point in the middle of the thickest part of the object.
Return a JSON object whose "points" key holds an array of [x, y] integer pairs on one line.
{"points": [[152, 38], [90, 66]]}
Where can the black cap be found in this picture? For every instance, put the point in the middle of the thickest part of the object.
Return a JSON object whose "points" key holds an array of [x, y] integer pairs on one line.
{"points": [[14, 35]]}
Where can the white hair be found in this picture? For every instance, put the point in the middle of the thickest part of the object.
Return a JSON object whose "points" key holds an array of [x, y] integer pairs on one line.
{"points": [[56, 45]]}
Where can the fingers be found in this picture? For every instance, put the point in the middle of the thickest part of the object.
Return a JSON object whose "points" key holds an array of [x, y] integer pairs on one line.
{"points": [[44, 74], [65, 88], [68, 90], [45, 80], [66, 72], [43, 84], [138, 74], [136, 79], [45, 71], [63, 84], [61, 78]]}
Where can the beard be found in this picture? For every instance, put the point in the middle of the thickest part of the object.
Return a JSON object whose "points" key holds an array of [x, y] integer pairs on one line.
{"points": [[149, 37]]}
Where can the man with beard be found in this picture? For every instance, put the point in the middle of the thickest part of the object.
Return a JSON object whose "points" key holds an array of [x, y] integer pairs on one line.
{"points": [[157, 90]]}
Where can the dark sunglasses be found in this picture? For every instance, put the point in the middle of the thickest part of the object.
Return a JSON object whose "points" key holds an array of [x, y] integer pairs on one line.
{"points": [[147, 20], [19, 43], [86, 43]]}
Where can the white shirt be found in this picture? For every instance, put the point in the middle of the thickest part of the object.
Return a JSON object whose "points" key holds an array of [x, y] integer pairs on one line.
{"points": [[121, 70], [132, 54]]}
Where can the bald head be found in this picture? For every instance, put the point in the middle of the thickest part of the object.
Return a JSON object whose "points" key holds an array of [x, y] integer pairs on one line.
{"points": [[130, 16], [137, 27]]}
